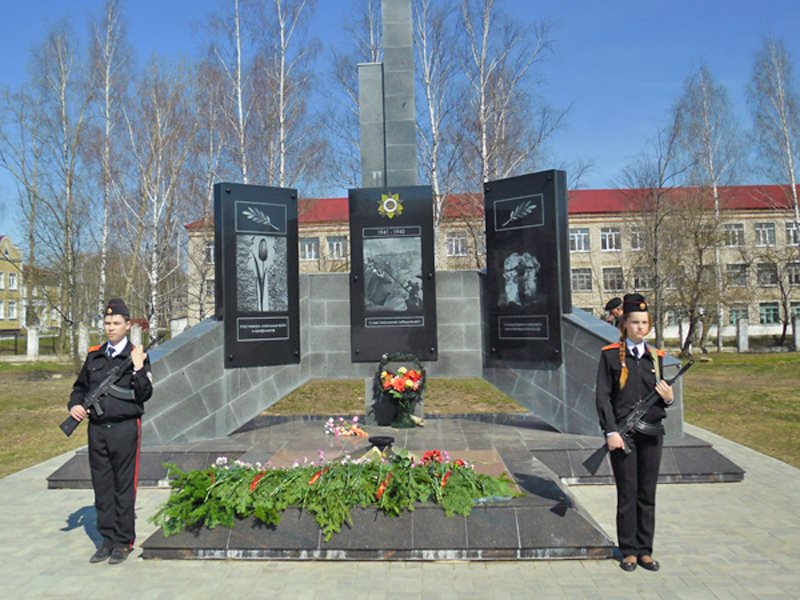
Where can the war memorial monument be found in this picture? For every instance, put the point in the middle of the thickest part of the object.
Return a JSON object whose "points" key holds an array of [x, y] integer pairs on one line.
{"points": [[276, 329]]}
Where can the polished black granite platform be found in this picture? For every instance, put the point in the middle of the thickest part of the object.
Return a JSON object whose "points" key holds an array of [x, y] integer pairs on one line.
{"points": [[544, 523]]}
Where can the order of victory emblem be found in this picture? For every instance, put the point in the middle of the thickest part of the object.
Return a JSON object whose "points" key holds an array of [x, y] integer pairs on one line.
{"points": [[390, 205]]}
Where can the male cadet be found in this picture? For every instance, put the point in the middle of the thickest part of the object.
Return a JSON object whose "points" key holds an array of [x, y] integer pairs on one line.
{"points": [[613, 310], [114, 437]]}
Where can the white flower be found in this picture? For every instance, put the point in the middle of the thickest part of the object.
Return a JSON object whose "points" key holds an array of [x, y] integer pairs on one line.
{"points": [[222, 461]]}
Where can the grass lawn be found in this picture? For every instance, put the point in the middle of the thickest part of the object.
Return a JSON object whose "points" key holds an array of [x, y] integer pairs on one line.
{"points": [[33, 402], [750, 398]]}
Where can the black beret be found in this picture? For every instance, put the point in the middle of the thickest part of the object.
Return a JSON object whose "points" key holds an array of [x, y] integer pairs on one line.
{"points": [[117, 306], [613, 303], [634, 303]]}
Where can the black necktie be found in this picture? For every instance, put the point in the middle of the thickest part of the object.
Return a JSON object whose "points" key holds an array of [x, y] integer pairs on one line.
{"points": [[635, 352], [110, 351]]}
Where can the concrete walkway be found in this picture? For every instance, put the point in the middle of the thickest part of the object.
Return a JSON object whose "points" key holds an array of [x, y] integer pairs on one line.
{"points": [[731, 540]]}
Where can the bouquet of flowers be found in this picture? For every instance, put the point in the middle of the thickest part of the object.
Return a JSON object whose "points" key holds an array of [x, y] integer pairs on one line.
{"points": [[342, 427], [404, 385]]}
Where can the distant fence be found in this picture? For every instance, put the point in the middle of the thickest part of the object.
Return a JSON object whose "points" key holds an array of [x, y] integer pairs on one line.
{"points": [[16, 343]]}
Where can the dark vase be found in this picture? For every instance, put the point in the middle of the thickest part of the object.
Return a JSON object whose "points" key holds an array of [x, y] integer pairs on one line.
{"points": [[402, 419], [384, 410]]}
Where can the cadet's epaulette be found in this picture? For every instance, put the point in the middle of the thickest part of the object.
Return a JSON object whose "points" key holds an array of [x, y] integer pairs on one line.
{"points": [[95, 348], [610, 346], [661, 353]]}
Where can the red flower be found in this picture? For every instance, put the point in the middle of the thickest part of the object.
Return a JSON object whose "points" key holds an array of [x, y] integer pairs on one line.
{"points": [[255, 481], [432, 456], [316, 476], [382, 487], [446, 477], [460, 463]]}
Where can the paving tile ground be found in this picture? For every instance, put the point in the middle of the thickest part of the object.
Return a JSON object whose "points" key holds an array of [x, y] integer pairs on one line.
{"points": [[732, 540]]}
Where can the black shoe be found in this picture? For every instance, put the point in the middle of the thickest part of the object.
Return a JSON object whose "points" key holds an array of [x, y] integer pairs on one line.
{"points": [[650, 565], [118, 555], [103, 552], [627, 566]]}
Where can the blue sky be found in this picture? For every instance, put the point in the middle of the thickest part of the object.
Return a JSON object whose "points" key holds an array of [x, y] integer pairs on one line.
{"points": [[620, 63]]}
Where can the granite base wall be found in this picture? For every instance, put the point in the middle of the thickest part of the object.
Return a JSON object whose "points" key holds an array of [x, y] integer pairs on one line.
{"points": [[195, 398]]}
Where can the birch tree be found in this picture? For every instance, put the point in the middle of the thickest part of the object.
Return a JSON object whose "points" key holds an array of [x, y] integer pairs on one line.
{"points": [[504, 125], [111, 74], [160, 131], [775, 107], [650, 180], [711, 139], [363, 29]]}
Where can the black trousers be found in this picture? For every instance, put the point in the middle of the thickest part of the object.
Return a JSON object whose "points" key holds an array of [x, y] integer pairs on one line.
{"points": [[636, 475], [114, 463]]}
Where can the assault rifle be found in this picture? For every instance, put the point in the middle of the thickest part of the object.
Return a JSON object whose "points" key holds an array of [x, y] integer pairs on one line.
{"points": [[628, 424], [92, 399]]}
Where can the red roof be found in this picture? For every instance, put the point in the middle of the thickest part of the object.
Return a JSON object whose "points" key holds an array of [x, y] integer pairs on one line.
{"points": [[470, 204], [740, 197]]}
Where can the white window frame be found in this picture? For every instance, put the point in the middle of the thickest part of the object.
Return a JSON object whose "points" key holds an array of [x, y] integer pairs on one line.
{"points": [[739, 271], [209, 257], [581, 275], [792, 234], [767, 268], [621, 279], [337, 247], [637, 238], [610, 239], [210, 289], [580, 239], [793, 273], [765, 234], [2, 280], [309, 248], [2, 310], [643, 278], [456, 243], [12, 310], [734, 235]]}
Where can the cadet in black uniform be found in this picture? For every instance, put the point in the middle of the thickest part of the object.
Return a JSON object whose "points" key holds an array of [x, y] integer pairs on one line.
{"points": [[628, 371], [114, 437]]}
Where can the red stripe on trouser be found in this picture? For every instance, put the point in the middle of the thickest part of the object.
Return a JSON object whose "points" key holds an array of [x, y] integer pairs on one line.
{"points": [[136, 468]]}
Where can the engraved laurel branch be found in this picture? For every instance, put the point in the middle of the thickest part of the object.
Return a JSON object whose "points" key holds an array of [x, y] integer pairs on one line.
{"points": [[520, 211], [258, 216]]}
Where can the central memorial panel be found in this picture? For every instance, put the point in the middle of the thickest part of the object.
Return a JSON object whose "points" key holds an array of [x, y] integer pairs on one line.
{"points": [[392, 291]]}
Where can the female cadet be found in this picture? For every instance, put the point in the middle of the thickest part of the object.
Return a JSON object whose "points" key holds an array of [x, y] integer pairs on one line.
{"points": [[629, 370]]}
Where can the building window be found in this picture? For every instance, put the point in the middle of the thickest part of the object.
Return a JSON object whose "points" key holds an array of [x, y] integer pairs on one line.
{"points": [[793, 273], [736, 312], [2, 280], [12, 310], [309, 248], [580, 240], [768, 313], [637, 237], [12, 281], [736, 275], [734, 234], [612, 279], [2, 311], [456, 243], [767, 274], [610, 239], [210, 290], [792, 234], [209, 253], [765, 234], [581, 280], [794, 309], [671, 316], [336, 247], [643, 278]]}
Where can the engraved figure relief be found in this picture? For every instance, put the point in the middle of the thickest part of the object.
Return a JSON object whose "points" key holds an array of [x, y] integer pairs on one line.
{"points": [[519, 279], [393, 274], [261, 273]]}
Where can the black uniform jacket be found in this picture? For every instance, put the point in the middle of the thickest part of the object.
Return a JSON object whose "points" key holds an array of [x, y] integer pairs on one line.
{"points": [[95, 369], [614, 404]]}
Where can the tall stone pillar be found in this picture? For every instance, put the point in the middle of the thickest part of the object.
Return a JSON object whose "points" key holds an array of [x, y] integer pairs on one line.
{"points": [[387, 117]]}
